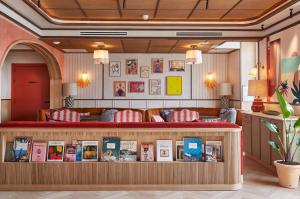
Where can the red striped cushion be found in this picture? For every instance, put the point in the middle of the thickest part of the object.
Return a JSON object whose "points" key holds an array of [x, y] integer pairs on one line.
{"points": [[128, 116], [66, 115], [184, 115], [157, 118]]}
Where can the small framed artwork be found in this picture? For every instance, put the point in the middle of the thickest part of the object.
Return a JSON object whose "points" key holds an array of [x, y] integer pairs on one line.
{"points": [[157, 65], [174, 85], [177, 65], [131, 66], [136, 87], [119, 88], [144, 71], [155, 87], [115, 69]]}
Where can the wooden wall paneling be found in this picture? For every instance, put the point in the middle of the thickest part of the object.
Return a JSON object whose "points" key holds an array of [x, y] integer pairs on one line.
{"points": [[265, 136], [256, 137], [247, 134]]}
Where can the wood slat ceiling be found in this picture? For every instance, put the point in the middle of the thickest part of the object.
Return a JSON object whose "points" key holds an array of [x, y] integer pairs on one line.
{"points": [[117, 45], [199, 10]]}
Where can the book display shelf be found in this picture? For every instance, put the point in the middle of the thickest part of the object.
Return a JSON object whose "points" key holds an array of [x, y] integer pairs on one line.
{"points": [[136, 175]]}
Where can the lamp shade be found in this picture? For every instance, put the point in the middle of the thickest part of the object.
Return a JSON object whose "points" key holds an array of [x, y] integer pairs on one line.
{"points": [[225, 89], [258, 88], [69, 89], [193, 56], [101, 56]]}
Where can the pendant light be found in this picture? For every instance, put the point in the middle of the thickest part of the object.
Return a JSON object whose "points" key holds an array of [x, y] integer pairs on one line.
{"points": [[101, 56], [193, 56]]}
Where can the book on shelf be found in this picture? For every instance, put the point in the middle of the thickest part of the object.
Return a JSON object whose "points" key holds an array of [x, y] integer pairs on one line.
{"points": [[213, 151], [128, 150], [22, 149], [111, 149], [203, 152], [90, 150], [78, 149], [9, 152], [179, 151], [70, 153], [164, 151], [55, 151], [39, 151], [192, 147], [147, 152]]}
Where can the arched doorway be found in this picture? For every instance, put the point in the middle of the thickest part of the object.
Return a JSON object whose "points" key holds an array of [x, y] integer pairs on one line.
{"points": [[52, 66]]}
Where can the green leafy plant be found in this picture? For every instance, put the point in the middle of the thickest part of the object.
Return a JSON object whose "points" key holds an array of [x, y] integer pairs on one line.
{"points": [[296, 92], [284, 149]]}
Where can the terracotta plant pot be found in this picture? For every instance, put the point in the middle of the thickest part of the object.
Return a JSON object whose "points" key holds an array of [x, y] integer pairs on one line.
{"points": [[288, 174]]}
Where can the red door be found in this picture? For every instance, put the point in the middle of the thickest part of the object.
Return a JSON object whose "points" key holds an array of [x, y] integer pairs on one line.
{"points": [[30, 91]]}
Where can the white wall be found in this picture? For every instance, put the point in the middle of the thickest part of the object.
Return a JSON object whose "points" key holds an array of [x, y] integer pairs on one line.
{"points": [[234, 71], [15, 57]]}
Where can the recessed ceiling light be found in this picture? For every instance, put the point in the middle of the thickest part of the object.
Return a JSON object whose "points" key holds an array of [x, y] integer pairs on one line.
{"points": [[146, 17], [56, 42], [204, 42]]}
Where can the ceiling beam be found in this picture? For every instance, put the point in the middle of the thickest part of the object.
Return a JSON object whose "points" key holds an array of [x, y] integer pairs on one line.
{"points": [[194, 8], [119, 8], [80, 8], [124, 4], [231, 9], [149, 45], [123, 45], [156, 8], [172, 47], [206, 6]]}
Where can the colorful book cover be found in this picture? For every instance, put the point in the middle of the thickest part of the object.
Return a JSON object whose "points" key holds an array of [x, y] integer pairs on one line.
{"points": [[111, 149], [55, 151], [192, 147], [164, 151], [213, 151], [179, 151], [39, 151], [78, 147], [22, 149], [128, 150], [70, 153], [89, 150], [147, 152], [9, 152]]}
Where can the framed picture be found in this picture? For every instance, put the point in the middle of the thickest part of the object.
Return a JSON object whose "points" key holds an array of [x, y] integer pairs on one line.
{"points": [[174, 85], [157, 65], [119, 88], [115, 69], [131, 66], [136, 87], [177, 65], [155, 87], [144, 71]]}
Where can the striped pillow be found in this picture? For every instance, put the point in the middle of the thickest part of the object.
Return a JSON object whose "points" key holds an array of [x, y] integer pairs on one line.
{"points": [[157, 118], [184, 115], [128, 116], [66, 115]]}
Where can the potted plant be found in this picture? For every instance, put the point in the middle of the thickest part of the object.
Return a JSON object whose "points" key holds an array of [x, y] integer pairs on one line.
{"points": [[288, 170]]}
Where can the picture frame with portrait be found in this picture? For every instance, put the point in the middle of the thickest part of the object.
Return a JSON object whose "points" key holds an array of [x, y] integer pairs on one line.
{"points": [[115, 69]]}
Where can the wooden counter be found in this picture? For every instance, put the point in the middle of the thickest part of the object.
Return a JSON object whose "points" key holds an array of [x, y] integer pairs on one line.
{"points": [[119, 175]]}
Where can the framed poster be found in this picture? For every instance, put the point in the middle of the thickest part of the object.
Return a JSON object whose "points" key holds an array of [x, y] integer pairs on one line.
{"points": [[177, 65], [115, 69], [136, 87], [154, 87], [119, 88], [157, 65], [144, 70], [174, 85], [131, 66]]}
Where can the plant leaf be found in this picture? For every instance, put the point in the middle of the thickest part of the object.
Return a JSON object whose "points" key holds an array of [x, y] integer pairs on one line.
{"points": [[274, 145], [286, 109], [298, 142], [297, 124], [272, 127]]}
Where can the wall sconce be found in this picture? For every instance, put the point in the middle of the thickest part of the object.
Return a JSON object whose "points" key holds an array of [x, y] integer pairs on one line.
{"points": [[210, 81], [83, 81]]}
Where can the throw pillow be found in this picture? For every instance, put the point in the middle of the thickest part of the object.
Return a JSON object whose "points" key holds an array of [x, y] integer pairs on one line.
{"points": [[108, 115], [157, 118], [228, 114], [185, 115], [165, 113]]}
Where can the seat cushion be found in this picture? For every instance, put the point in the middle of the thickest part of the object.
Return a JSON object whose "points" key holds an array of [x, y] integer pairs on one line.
{"points": [[184, 115], [65, 115], [157, 118], [165, 113], [128, 116], [228, 114], [108, 115]]}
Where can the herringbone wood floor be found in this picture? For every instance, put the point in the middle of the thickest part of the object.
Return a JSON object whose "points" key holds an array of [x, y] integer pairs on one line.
{"points": [[258, 184]]}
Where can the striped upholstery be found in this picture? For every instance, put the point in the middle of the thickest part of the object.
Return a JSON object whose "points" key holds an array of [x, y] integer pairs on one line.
{"points": [[65, 115], [128, 116], [184, 115], [157, 118]]}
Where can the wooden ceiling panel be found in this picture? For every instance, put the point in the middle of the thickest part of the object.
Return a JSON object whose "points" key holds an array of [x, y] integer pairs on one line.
{"points": [[58, 4], [98, 4], [138, 4], [221, 4], [103, 14], [66, 13], [172, 14], [208, 14], [137, 14], [178, 4], [161, 45], [256, 4], [135, 45], [243, 14]]}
